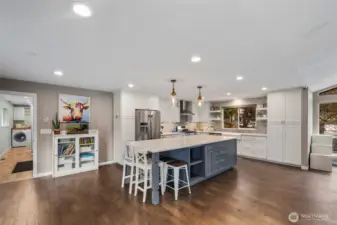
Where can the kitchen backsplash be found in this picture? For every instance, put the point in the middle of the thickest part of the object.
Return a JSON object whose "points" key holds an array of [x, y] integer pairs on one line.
{"points": [[261, 127]]}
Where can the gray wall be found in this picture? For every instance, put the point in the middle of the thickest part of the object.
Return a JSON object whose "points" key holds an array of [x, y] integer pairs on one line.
{"points": [[307, 125], [5, 132], [261, 126], [47, 106]]}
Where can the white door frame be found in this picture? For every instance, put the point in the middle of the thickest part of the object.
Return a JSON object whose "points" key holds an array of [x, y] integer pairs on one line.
{"points": [[34, 127]]}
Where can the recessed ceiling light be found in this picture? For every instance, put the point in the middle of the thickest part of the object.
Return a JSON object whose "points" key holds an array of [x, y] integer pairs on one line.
{"points": [[239, 78], [82, 10], [25, 97], [228, 93], [195, 59], [131, 85], [58, 73], [263, 88]]}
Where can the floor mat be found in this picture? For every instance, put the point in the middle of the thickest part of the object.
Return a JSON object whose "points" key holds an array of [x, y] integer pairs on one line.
{"points": [[23, 166]]}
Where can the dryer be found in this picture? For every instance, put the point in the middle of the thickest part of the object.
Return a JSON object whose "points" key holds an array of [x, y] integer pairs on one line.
{"points": [[21, 137]]}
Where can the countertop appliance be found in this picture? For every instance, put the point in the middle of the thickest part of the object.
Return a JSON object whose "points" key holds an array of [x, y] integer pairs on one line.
{"points": [[147, 124], [181, 128], [21, 137]]}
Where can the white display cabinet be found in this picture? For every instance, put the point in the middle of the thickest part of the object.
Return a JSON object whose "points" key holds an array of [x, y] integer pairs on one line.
{"points": [[75, 153]]}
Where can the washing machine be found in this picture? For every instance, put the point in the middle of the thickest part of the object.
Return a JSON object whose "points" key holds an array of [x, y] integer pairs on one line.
{"points": [[21, 137]]}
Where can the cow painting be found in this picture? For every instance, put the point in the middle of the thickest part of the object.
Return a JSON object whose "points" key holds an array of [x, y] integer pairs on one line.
{"points": [[74, 108]]}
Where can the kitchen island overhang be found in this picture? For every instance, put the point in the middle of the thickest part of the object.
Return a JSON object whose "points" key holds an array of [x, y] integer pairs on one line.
{"points": [[205, 155]]}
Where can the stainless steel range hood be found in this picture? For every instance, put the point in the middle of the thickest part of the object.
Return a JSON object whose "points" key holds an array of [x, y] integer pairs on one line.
{"points": [[186, 108]]}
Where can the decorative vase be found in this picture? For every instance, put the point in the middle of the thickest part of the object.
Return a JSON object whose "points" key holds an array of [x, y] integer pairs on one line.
{"points": [[57, 132]]}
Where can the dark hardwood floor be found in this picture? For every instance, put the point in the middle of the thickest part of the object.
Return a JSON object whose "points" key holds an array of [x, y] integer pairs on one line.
{"points": [[252, 193]]}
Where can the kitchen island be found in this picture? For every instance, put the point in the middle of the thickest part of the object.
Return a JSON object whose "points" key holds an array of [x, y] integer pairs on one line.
{"points": [[205, 155]]}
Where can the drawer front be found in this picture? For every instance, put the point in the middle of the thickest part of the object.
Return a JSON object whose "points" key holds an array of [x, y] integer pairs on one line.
{"points": [[254, 138], [223, 163], [255, 145], [220, 145], [254, 149]]}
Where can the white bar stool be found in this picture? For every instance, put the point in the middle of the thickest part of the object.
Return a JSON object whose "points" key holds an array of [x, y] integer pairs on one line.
{"points": [[144, 169], [176, 166], [129, 160]]}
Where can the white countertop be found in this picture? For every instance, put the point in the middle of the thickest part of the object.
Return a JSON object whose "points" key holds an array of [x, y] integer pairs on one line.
{"points": [[172, 133], [224, 133], [161, 145]]}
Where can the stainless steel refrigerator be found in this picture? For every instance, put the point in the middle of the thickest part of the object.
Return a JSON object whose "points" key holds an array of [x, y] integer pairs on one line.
{"points": [[147, 124]]}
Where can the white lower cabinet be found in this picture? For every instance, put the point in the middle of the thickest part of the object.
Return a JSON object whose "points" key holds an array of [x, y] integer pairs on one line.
{"points": [[275, 142], [254, 147], [75, 153], [292, 144], [284, 143]]}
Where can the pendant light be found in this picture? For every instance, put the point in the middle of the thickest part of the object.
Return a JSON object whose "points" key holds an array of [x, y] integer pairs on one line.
{"points": [[200, 98], [173, 93]]}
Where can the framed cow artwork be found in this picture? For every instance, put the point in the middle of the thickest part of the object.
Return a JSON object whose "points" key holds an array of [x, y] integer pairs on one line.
{"points": [[74, 109]]}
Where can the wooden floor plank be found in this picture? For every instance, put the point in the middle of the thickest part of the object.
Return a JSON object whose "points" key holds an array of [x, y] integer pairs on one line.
{"points": [[252, 193]]}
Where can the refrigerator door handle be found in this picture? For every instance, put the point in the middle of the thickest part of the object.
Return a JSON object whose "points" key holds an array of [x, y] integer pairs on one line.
{"points": [[149, 130]]}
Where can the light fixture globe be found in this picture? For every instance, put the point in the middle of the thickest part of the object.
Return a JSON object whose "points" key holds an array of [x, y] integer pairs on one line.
{"points": [[200, 98], [173, 93]]}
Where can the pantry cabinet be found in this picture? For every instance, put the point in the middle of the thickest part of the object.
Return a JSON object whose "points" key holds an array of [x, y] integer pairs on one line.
{"points": [[284, 126]]}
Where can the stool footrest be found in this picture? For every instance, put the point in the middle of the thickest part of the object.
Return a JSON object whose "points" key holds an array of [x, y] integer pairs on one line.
{"points": [[178, 188]]}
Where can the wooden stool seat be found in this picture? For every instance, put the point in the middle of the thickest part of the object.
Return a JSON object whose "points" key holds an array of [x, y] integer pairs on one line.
{"points": [[176, 163]]}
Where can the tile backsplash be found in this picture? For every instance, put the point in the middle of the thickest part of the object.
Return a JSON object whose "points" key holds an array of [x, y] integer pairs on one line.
{"points": [[261, 128]]}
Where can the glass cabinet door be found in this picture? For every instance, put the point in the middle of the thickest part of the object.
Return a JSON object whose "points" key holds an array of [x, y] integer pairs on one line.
{"points": [[87, 152], [66, 154]]}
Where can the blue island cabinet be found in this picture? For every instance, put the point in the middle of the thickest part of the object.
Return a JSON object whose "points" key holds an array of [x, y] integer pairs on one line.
{"points": [[205, 161]]}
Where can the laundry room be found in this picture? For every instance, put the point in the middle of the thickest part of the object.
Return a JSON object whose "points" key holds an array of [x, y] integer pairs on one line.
{"points": [[16, 121]]}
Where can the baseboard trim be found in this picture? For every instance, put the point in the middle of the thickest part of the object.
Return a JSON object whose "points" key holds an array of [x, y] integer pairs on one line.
{"points": [[304, 167], [107, 163], [43, 174], [269, 161]]}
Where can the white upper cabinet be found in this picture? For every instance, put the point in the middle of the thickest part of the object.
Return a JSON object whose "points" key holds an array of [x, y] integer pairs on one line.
{"points": [[130, 101], [276, 104], [285, 107], [19, 113], [168, 112], [293, 106]]}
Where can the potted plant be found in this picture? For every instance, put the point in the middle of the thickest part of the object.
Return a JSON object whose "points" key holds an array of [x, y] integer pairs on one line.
{"points": [[56, 125]]}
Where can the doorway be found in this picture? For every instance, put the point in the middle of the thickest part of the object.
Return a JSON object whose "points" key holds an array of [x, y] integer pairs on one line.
{"points": [[18, 135]]}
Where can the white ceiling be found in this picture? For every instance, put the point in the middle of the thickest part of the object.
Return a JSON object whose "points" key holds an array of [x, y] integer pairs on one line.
{"points": [[17, 99], [272, 43]]}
